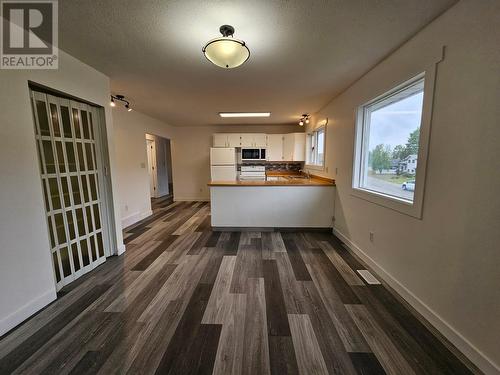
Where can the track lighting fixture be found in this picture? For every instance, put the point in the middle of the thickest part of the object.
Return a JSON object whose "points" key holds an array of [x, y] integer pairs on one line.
{"points": [[304, 119], [120, 98]]}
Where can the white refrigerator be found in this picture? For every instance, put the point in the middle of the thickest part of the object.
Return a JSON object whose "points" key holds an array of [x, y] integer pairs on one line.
{"points": [[223, 163]]}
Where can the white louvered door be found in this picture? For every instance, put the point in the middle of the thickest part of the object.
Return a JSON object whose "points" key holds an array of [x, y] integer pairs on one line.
{"points": [[67, 135]]}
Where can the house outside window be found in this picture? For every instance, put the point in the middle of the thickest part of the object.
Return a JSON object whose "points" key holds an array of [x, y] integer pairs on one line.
{"points": [[387, 145]]}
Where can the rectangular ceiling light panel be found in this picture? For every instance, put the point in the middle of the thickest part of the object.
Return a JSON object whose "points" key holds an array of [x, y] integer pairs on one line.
{"points": [[244, 114]]}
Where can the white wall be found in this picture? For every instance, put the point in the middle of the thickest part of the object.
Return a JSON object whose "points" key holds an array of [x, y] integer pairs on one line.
{"points": [[131, 161], [447, 264], [26, 276]]}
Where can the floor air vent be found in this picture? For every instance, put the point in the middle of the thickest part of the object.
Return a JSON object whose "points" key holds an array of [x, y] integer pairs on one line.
{"points": [[369, 278]]}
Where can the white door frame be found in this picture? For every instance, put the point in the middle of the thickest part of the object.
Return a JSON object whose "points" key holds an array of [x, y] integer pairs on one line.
{"points": [[152, 167]]}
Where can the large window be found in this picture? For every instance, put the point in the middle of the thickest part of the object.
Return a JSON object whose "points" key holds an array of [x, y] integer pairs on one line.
{"points": [[316, 147], [388, 142]]}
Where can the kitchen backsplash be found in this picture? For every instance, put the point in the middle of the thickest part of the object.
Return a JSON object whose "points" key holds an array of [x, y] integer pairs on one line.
{"points": [[276, 166]]}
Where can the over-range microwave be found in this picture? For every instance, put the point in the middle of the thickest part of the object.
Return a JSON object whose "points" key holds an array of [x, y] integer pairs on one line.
{"points": [[248, 154]]}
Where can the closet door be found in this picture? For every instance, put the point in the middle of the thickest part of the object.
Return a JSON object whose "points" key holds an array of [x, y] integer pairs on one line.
{"points": [[66, 139]]}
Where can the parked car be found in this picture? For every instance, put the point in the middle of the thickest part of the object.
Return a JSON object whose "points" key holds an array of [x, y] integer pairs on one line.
{"points": [[408, 185]]}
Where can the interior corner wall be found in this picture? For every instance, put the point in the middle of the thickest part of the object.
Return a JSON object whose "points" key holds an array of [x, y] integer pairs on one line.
{"points": [[130, 129], [26, 272], [447, 264]]}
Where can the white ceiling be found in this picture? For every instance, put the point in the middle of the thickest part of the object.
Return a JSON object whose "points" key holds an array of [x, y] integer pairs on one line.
{"points": [[303, 53]]}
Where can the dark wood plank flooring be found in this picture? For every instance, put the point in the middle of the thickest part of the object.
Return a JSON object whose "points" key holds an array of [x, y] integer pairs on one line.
{"points": [[186, 300]]}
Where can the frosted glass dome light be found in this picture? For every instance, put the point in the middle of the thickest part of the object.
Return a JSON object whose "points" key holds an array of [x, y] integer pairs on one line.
{"points": [[226, 51]]}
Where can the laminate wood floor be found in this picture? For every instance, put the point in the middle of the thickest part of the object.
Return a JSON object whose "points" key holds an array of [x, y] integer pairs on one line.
{"points": [[185, 300]]}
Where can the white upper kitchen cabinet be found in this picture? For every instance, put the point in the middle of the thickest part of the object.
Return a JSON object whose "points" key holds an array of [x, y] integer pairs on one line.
{"points": [[288, 147], [294, 147], [233, 140], [275, 147], [227, 140], [260, 140], [299, 147], [220, 140], [247, 140], [280, 147], [253, 140]]}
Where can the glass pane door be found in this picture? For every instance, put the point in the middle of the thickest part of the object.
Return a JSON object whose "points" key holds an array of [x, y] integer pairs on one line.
{"points": [[65, 133]]}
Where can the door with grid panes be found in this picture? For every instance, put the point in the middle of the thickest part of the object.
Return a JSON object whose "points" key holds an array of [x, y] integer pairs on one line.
{"points": [[67, 135]]}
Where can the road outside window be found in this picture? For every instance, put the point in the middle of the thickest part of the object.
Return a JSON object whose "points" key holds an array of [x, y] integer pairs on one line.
{"points": [[389, 143]]}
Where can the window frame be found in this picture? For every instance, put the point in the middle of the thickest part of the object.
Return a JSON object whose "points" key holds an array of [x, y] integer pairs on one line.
{"points": [[313, 134], [389, 201]]}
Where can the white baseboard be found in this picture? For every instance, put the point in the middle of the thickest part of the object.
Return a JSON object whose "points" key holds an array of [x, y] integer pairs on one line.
{"points": [[120, 250], [20, 315], [191, 199], [479, 359], [135, 217]]}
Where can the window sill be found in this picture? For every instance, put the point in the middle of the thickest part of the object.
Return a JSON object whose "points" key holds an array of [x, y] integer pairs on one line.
{"points": [[388, 201], [315, 167]]}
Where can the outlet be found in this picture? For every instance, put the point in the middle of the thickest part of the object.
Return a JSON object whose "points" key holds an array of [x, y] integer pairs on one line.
{"points": [[372, 236], [336, 171], [126, 207], [326, 169], [201, 190]]}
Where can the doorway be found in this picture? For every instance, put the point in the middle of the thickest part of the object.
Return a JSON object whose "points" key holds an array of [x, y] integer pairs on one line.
{"points": [[151, 150], [159, 159], [70, 147]]}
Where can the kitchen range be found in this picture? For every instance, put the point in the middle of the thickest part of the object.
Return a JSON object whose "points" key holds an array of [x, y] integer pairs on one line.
{"points": [[266, 187], [253, 172]]}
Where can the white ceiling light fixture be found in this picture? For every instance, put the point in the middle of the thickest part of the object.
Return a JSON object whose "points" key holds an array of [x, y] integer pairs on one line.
{"points": [[226, 51], [244, 114]]}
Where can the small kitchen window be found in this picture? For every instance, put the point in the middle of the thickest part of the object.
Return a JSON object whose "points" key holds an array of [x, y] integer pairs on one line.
{"points": [[391, 146], [315, 146]]}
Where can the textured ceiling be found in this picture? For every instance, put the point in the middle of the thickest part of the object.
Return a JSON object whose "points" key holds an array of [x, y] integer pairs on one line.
{"points": [[303, 53]]}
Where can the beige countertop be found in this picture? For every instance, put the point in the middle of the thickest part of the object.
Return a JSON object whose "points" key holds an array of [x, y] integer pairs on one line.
{"points": [[285, 179]]}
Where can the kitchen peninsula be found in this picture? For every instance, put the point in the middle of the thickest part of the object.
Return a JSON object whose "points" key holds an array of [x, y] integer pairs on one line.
{"points": [[280, 201]]}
